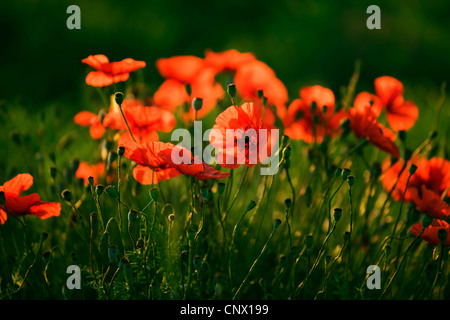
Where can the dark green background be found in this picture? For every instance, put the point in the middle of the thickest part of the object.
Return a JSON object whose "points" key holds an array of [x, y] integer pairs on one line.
{"points": [[305, 42]]}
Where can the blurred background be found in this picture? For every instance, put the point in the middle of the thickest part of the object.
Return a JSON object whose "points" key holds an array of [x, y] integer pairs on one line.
{"points": [[305, 42]]}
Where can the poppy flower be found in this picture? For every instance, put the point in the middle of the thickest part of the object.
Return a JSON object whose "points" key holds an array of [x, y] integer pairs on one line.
{"points": [[227, 61], [401, 114], [91, 120], [109, 72], [426, 187], [144, 121], [247, 141], [86, 170], [180, 71], [254, 76], [299, 120], [431, 233], [363, 122], [30, 204], [154, 163]]}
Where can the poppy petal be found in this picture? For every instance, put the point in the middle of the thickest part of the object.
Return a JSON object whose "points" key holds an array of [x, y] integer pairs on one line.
{"points": [[18, 184], [45, 210]]}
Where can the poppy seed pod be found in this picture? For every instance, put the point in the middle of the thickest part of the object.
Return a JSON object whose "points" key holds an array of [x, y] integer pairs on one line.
{"points": [[288, 203], [337, 172], [231, 90], [197, 103], [118, 97], [112, 192], [91, 181], [188, 89], [44, 236], [351, 180], [67, 195], [412, 169], [276, 223], [133, 216], [171, 217], [99, 189], [345, 173]]}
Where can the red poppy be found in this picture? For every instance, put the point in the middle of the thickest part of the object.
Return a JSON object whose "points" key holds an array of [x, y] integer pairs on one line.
{"points": [[245, 124], [227, 61], [255, 75], [363, 122], [154, 163], [86, 170], [144, 121], [180, 71], [109, 72], [401, 113], [91, 120], [426, 186], [299, 120], [25, 205], [430, 233]]}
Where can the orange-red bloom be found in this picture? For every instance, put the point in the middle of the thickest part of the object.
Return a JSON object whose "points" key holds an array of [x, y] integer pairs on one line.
{"points": [[109, 72], [426, 186], [154, 163], [363, 122], [245, 124], [227, 61], [86, 170], [299, 120], [180, 71], [401, 113], [430, 233], [91, 120], [25, 205]]}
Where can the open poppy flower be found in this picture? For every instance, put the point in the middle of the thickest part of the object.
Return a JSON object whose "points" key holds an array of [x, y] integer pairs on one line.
{"points": [[426, 186], [109, 72], [30, 204], [144, 121], [227, 61], [91, 120], [154, 163], [363, 122], [253, 76], [299, 120], [86, 170], [238, 136], [430, 233], [180, 71]]}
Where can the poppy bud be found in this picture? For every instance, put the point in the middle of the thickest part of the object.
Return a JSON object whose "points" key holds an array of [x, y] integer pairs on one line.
{"points": [[221, 188], [276, 223], [53, 172], [91, 181], [140, 243], [260, 93], [171, 217], [118, 97], [204, 191], [426, 221], [121, 151], [345, 173], [190, 234], [231, 89], [346, 236], [132, 216], [67, 195], [442, 235], [197, 103], [188, 89], [44, 236], [402, 135], [309, 240], [112, 192], [2, 198], [337, 214], [154, 194], [99, 189], [412, 169], [251, 205], [351, 180], [113, 251], [288, 203]]}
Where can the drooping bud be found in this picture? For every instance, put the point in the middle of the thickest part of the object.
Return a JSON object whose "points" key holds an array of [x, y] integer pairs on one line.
{"points": [[412, 169], [276, 223], [44, 236], [121, 151], [251, 205], [426, 221], [67, 195], [231, 89], [171, 217]]}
